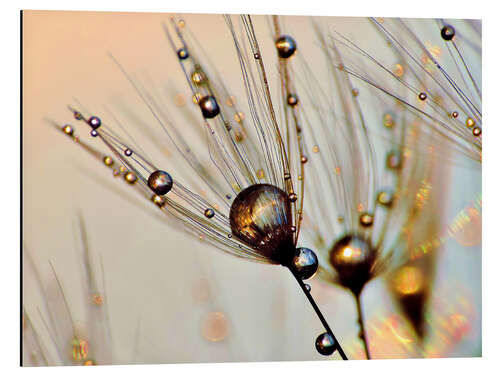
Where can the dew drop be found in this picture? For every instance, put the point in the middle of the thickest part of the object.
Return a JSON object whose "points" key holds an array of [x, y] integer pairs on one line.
{"points": [[286, 46], [160, 182], [209, 213]]}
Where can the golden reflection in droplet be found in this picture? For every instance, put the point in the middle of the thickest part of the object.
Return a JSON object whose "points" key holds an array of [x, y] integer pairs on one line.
{"points": [[180, 99], [215, 327], [122, 169], [231, 101], [97, 299], [366, 219], [107, 160], [408, 280], [384, 198], [398, 70], [130, 177], [360, 207], [181, 23], [196, 98], [89, 363], [315, 149], [470, 122], [337, 171], [260, 174], [239, 117], [355, 92], [239, 136], [388, 120], [79, 349], [159, 200], [68, 129]]}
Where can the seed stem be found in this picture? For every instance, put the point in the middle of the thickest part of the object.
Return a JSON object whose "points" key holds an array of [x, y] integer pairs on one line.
{"points": [[362, 331], [318, 312]]}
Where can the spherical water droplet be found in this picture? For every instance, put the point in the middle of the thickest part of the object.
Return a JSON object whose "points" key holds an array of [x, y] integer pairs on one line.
{"points": [[107, 160], [182, 53], [215, 327], [455, 114], [198, 76], [388, 120], [447, 32], [308, 287], [476, 131], [94, 122], [384, 198], [292, 197], [366, 219], [325, 344], [292, 100], [128, 152], [286, 46], [422, 96], [470, 122], [130, 177], [209, 106], [393, 160], [304, 263], [209, 213], [160, 182], [94, 133], [158, 200], [353, 259], [68, 129]]}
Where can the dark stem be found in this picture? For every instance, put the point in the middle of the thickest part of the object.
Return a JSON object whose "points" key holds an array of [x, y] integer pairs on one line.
{"points": [[318, 312], [362, 331]]}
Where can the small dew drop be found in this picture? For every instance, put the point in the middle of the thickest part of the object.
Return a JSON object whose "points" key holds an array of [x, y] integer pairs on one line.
{"points": [[130, 177], [209, 213], [68, 129]]}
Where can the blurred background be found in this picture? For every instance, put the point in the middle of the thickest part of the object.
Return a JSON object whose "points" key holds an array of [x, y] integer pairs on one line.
{"points": [[170, 297]]}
